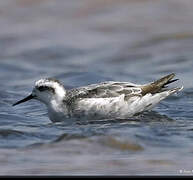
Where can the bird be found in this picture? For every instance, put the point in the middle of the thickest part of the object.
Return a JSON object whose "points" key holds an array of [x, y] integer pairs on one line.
{"points": [[104, 100]]}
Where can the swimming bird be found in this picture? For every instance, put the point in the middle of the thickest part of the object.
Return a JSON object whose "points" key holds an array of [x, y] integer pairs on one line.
{"points": [[109, 99]]}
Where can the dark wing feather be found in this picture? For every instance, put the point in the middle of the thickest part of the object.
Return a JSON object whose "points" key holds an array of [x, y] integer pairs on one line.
{"points": [[104, 90], [113, 89], [159, 85]]}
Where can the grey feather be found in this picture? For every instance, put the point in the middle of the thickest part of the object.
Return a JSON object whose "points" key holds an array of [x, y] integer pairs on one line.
{"points": [[102, 90]]}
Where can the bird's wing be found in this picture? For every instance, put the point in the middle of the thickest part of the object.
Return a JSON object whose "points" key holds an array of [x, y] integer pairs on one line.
{"points": [[111, 89], [105, 90]]}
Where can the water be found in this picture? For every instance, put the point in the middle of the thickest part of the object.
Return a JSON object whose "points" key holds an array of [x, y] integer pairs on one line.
{"points": [[81, 42]]}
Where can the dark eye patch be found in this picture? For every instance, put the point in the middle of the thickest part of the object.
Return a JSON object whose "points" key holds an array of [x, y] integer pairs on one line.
{"points": [[44, 88]]}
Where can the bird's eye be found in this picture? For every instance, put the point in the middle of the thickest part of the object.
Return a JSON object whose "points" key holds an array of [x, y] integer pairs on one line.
{"points": [[42, 88]]}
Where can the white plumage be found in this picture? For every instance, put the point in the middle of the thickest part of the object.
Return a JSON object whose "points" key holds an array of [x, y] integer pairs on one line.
{"points": [[97, 101]]}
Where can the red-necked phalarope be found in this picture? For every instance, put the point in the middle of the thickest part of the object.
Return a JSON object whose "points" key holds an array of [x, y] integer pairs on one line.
{"points": [[104, 100]]}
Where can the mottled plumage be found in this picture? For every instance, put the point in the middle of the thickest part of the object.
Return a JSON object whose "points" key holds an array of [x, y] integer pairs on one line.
{"points": [[104, 100]]}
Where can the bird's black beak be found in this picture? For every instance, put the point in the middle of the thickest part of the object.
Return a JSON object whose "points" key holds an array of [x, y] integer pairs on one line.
{"points": [[24, 100]]}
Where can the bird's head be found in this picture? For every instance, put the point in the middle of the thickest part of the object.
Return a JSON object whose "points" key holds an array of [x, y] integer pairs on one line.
{"points": [[46, 90]]}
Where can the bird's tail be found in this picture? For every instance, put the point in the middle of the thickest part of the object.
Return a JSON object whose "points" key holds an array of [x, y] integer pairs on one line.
{"points": [[151, 100], [160, 85]]}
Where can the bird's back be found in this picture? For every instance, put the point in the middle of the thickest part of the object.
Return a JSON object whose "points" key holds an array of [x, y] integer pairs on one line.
{"points": [[117, 99]]}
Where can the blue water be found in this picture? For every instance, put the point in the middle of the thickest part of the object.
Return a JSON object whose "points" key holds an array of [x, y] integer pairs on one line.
{"points": [[83, 42]]}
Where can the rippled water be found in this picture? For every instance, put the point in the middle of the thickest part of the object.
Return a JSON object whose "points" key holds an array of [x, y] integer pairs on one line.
{"points": [[81, 42]]}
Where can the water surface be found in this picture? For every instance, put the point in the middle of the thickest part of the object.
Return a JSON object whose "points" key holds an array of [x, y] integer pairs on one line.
{"points": [[81, 42]]}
